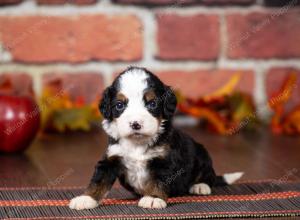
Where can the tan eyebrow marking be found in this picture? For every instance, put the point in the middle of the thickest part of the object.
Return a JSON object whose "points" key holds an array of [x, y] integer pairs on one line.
{"points": [[121, 97], [149, 95]]}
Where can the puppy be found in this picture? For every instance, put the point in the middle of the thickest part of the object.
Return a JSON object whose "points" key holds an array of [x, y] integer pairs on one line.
{"points": [[146, 154]]}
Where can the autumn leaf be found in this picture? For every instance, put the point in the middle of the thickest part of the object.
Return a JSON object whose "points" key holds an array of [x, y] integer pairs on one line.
{"points": [[212, 117], [226, 89], [242, 106], [281, 121], [73, 119], [278, 99], [61, 113], [291, 123], [223, 110]]}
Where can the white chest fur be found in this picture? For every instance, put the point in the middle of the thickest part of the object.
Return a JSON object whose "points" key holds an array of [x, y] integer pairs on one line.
{"points": [[135, 159]]}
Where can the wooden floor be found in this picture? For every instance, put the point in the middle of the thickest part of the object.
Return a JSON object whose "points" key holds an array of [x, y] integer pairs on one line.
{"points": [[69, 160], [66, 160]]}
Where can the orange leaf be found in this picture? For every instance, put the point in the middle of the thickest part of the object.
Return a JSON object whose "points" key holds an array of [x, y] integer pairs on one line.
{"points": [[214, 118], [291, 124], [79, 102], [276, 120], [278, 100], [283, 95]]}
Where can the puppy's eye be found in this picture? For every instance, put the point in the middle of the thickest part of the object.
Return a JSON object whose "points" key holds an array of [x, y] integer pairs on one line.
{"points": [[152, 104], [120, 106]]}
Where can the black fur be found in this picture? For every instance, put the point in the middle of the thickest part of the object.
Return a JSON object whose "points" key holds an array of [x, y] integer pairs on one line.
{"points": [[105, 174], [187, 162], [105, 104], [170, 103]]}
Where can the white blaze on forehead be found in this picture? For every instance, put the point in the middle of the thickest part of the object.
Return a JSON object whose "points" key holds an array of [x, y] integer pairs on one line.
{"points": [[133, 83]]}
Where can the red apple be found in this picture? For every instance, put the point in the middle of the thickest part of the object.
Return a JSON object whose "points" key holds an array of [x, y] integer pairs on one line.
{"points": [[19, 122]]}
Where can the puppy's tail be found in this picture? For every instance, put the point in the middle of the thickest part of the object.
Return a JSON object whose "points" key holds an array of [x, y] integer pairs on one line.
{"points": [[228, 178]]}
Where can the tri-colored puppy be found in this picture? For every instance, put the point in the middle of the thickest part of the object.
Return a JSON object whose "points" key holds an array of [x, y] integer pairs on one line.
{"points": [[146, 154]]}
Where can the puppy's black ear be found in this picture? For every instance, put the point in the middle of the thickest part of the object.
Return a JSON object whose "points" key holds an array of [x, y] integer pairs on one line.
{"points": [[105, 103], [170, 102]]}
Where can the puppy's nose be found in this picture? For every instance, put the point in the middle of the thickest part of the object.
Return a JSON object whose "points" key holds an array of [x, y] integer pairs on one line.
{"points": [[135, 125]]}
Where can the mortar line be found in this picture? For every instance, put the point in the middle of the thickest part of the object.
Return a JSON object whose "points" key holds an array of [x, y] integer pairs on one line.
{"points": [[222, 40], [109, 8], [183, 65]]}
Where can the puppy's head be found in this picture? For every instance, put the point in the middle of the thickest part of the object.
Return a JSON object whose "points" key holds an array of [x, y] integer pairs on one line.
{"points": [[137, 105]]}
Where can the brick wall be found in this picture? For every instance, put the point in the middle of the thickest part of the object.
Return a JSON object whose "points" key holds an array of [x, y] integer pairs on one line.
{"points": [[193, 45]]}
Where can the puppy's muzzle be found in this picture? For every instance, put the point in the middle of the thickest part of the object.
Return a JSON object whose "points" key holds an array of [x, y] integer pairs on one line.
{"points": [[135, 126]]}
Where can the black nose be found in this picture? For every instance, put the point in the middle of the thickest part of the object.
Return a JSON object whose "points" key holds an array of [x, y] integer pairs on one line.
{"points": [[135, 126]]}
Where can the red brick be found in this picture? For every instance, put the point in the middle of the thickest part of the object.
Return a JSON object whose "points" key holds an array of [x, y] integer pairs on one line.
{"points": [[193, 37], [55, 2], [21, 83], [184, 2], [82, 38], [275, 79], [156, 2], [8, 2], [202, 82], [88, 85], [280, 2], [225, 2], [264, 35]]}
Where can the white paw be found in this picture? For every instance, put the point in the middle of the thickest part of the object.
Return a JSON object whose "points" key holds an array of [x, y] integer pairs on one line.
{"points": [[200, 189], [83, 202], [149, 202]]}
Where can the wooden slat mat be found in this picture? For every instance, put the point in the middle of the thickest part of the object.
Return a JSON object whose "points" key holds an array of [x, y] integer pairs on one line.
{"points": [[252, 199]]}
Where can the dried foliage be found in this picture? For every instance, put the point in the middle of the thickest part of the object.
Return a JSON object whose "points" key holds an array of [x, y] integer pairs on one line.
{"points": [[7, 87], [283, 122], [224, 111], [61, 113]]}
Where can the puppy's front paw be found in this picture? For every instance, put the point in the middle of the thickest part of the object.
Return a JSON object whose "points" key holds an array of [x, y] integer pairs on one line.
{"points": [[200, 189], [83, 202], [150, 202]]}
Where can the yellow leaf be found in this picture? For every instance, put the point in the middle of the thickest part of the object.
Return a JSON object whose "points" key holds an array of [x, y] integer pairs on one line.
{"points": [[227, 89]]}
